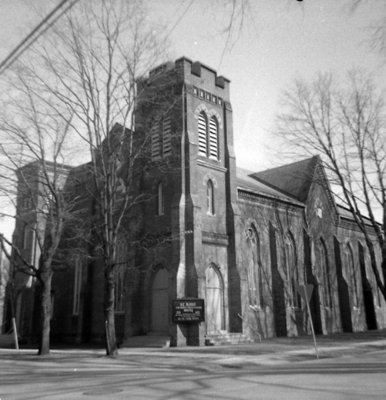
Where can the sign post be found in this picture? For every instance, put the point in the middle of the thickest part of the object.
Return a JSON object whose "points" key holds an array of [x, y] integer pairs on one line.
{"points": [[306, 292]]}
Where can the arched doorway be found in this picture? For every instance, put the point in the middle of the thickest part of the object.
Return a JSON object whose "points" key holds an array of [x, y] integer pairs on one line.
{"points": [[160, 302], [214, 300]]}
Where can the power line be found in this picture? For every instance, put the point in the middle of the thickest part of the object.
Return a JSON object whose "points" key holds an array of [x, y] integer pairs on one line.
{"points": [[36, 33], [179, 19]]}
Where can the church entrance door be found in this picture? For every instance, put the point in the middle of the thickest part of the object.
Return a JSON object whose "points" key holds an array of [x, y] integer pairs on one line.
{"points": [[214, 300], [160, 302]]}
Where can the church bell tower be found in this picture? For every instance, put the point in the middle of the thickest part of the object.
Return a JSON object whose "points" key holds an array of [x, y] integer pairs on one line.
{"points": [[185, 110]]}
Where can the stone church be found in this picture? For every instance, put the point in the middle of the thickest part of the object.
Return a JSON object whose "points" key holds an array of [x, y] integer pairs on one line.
{"points": [[239, 245]]}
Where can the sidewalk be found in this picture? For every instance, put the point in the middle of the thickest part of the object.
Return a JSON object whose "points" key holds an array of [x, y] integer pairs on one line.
{"points": [[268, 352], [287, 350]]}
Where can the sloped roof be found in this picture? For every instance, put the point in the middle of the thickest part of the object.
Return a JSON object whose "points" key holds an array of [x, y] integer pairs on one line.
{"points": [[344, 212], [293, 179], [245, 180]]}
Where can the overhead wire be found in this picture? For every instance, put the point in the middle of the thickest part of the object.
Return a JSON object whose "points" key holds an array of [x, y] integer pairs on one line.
{"points": [[180, 17], [36, 33]]}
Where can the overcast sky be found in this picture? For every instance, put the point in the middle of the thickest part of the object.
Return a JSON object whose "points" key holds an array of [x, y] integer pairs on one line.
{"points": [[280, 40]]}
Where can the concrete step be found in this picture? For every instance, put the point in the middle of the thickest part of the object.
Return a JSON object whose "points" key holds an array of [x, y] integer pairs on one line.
{"points": [[224, 338], [156, 341]]}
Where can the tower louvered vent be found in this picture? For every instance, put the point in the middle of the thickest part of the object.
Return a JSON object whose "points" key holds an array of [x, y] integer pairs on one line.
{"points": [[202, 134], [155, 141], [167, 136], [213, 138]]}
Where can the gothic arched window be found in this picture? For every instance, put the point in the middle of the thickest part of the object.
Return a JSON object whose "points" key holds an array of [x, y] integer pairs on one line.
{"points": [[325, 273], [351, 275], [210, 197], [254, 273], [292, 271]]}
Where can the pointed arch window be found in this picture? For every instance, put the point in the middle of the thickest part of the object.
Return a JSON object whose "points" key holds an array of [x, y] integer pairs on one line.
{"points": [[213, 138], [325, 273], [292, 272], [210, 197], [254, 273], [202, 134], [351, 274], [160, 199]]}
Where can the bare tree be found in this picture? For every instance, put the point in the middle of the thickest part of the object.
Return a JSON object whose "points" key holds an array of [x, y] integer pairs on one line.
{"points": [[32, 180], [346, 126], [4, 276], [90, 64]]}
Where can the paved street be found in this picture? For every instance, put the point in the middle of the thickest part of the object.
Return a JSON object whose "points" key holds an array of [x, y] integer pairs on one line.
{"points": [[345, 370]]}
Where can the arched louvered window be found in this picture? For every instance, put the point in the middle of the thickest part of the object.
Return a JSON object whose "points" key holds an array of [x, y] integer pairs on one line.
{"points": [[160, 199], [202, 134], [213, 138], [166, 136], [210, 197], [155, 141]]}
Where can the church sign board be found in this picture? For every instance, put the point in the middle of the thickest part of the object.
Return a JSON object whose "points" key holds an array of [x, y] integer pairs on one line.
{"points": [[188, 310]]}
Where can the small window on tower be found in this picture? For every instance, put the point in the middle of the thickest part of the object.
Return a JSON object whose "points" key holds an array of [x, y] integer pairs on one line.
{"points": [[210, 197], [160, 199]]}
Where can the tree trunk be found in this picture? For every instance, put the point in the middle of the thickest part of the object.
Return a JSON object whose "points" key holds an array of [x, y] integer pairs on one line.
{"points": [[383, 268], [110, 337], [45, 313], [381, 285]]}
